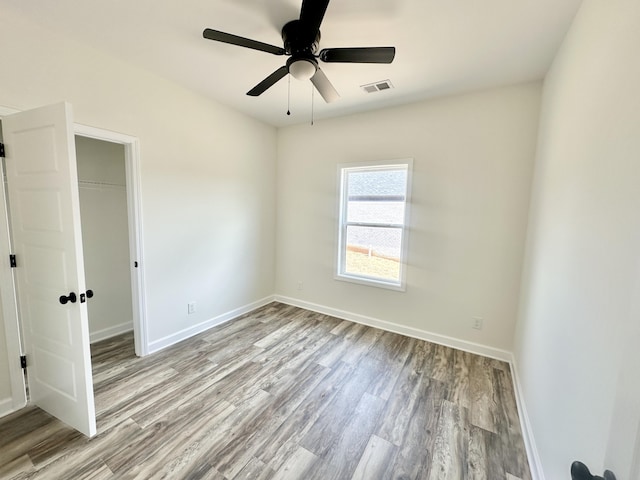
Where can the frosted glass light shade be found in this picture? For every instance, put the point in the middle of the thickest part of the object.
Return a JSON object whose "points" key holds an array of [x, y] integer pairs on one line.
{"points": [[302, 69]]}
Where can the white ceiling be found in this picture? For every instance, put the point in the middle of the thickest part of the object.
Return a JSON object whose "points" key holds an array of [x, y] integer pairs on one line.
{"points": [[442, 46]]}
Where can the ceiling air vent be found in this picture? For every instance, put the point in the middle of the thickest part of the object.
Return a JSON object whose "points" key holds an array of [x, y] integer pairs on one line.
{"points": [[377, 86]]}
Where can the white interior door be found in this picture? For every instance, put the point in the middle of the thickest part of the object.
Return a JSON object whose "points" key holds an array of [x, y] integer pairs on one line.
{"points": [[45, 219]]}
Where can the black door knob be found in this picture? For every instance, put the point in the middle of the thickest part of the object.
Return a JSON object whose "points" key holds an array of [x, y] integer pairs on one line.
{"points": [[579, 471], [84, 296], [68, 298]]}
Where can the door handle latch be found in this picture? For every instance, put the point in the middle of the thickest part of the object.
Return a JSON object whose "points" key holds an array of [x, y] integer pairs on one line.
{"points": [[89, 294], [68, 298]]}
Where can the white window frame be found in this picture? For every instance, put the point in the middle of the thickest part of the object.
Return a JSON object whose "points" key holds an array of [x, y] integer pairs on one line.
{"points": [[340, 264]]}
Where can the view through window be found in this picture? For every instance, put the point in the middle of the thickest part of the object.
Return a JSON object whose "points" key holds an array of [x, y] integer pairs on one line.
{"points": [[372, 223]]}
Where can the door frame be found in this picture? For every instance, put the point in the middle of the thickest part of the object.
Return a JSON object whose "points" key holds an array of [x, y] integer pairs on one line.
{"points": [[13, 335], [134, 218], [136, 252]]}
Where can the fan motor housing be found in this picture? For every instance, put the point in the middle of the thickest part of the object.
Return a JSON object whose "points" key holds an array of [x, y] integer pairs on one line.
{"points": [[294, 42]]}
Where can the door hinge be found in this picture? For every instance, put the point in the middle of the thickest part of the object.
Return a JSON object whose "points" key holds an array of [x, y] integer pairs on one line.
{"points": [[23, 361], [1, 150], [12, 260]]}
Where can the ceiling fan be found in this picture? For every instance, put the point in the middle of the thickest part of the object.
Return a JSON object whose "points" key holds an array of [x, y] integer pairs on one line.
{"points": [[301, 38]]}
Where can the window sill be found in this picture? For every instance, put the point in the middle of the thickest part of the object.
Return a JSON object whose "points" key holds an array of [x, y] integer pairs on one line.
{"points": [[370, 282]]}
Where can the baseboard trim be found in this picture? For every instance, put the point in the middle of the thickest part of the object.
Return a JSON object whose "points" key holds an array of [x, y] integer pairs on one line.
{"points": [[535, 465], [6, 406], [470, 347], [186, 333], [105, 333]]}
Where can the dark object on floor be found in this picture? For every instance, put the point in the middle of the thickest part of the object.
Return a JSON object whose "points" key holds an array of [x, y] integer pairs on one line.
{"points": [[579, 471]]}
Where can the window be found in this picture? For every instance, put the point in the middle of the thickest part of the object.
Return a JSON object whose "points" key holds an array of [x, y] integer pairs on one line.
{"points": [[372, 236]]}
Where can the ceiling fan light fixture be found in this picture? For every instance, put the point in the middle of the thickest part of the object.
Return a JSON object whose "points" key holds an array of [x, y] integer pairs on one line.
{"points": [[303, 69], [301, 40]]}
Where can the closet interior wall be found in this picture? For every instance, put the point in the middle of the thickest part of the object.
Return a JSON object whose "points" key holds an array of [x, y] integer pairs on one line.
{"points": [[103, 210]]}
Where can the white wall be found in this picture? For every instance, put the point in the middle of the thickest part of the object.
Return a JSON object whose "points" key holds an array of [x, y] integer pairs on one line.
{"points": [[105, 236], [473, 159], [577, 312], [207, 172]]}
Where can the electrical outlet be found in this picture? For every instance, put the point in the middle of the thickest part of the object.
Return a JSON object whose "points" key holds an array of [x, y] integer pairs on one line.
{"points": [[300, 286], [191, 307], [477, 323]]}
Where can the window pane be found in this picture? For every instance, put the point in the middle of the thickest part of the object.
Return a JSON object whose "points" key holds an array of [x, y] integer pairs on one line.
{"points": [[373, 252], [376, 196], [375, 211], [383, 182]]}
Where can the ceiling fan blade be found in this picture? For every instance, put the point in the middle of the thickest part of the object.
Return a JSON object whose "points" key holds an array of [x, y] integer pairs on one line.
{"points": [[241, 41], [268, 82], [358, 55], [311, 15], [324, 87]]}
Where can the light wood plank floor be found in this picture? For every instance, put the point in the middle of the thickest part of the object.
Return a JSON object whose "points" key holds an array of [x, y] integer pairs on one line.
{"points": [[282, 393]]}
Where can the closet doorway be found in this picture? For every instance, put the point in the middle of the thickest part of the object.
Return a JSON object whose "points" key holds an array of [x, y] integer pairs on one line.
{"points": [[108, 184], [105, 236]]}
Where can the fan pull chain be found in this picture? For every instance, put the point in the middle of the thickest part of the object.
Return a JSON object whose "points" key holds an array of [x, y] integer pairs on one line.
{"points": [[289, 95], [312, 96]]}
